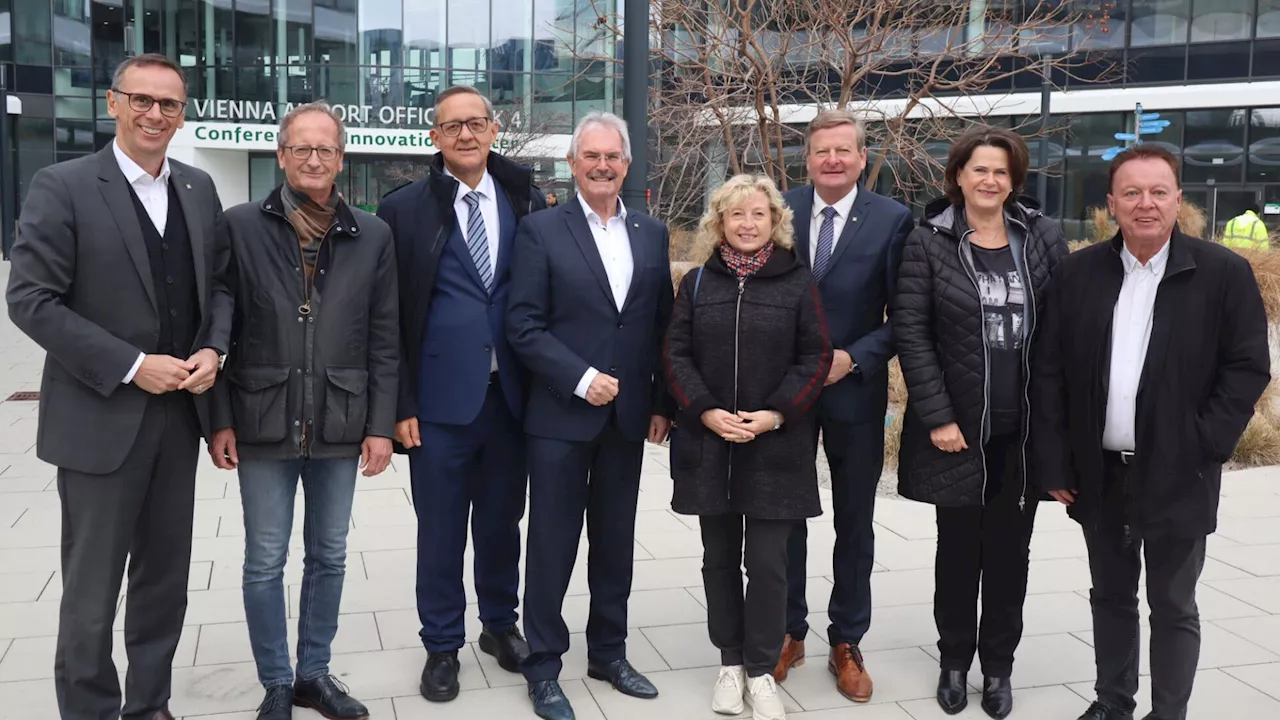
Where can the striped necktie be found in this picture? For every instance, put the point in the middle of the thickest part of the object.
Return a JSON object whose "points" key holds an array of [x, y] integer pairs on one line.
{"points": [[826, 239], [477, 240]]}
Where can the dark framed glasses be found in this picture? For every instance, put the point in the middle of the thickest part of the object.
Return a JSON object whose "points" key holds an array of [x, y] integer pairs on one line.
{"points": [[141, 103], [453, 128], [303, 152]]}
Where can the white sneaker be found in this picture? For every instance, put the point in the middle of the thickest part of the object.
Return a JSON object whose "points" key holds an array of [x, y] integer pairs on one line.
{"points": [[726, 698], [763, 696]]}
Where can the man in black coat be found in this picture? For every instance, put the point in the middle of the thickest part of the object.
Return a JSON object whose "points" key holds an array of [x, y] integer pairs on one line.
{"points": [[1153, 351], [462, 390], [852, 240]]}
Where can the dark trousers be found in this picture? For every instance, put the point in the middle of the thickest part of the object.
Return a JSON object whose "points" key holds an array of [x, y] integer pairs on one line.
{"points": [[985, 547], [467, 473], [855, 452], [600, 478], [747, 630], [1173, 569], [141, 512]]}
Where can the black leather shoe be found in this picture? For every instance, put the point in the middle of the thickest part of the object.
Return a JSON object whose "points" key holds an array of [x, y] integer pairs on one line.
{"points": [[549, 702], [440, 676], [508, 646], [624, 678], [953, 691], [1102, 711], [329, 697], [997, 697], [278, 704]]}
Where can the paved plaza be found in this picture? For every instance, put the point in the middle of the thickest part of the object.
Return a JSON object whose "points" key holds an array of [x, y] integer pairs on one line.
{"points": [[378, 654]]}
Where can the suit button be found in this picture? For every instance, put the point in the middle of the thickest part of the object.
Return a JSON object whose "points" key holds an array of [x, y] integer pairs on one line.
{"points": [[619, 326], [613, 368], [164, 246], [488, 348], [173, 313], [169, 280], [296, 423]]}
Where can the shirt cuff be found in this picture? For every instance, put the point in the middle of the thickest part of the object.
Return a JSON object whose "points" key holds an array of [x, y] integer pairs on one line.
{"points": [[585, 382], [134, 370]]}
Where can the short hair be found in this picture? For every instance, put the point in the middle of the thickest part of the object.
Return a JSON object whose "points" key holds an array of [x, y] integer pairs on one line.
{"points": [[986, 136], [835, 118], [731, 194], [605, 120], [1146, 151], [147, 60], [321, 107], [463, 90]]}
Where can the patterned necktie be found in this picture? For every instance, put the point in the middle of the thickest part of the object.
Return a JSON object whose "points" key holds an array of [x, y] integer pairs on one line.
{"points": [[826, 238], [477, 240]]}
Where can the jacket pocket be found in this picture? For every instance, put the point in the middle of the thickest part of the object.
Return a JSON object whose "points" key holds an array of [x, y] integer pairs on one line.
{"points": [[346, 404], [260, 402], [686, 447]]}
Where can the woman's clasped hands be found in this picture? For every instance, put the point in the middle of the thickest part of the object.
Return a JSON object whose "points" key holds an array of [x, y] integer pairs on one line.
{"points": [[742, 426]]}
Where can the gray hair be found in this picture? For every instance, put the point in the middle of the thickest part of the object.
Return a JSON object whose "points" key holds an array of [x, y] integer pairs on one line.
{"points": [[319, 106], [606, 120], [462, 90], [147, 60]]}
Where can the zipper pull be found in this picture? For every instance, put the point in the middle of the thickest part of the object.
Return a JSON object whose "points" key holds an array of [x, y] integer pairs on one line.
{"points": [[1022, 503], [1128, 537], [742, 284]]}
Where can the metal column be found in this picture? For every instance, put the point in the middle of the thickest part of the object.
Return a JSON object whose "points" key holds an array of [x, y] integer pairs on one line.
{"points": [[635, 100]]}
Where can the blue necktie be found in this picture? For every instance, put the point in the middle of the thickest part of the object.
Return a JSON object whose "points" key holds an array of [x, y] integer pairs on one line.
{"points": [[477, 240], [826, 239]]}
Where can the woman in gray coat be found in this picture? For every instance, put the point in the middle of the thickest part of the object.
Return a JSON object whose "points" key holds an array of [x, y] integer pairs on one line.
{"points": [[746, 356]]}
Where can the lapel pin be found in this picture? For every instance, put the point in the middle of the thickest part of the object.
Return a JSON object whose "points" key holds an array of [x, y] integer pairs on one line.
{"points": [[188, 186], [635, 225]]}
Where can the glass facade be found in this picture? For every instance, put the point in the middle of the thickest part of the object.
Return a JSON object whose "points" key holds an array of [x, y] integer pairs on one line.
{"points": [[385, 61]]}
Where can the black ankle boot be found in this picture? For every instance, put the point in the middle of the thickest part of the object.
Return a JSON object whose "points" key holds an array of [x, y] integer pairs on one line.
{"points": [[997, 697], [953, 693]]}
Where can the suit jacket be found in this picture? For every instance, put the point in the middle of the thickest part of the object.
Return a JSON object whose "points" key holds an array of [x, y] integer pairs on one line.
{"points": [[562, 320], [80, 285], [860, 281], [445, 350]]}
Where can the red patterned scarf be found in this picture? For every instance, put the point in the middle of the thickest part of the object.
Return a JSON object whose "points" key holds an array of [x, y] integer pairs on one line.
{"points": [[743, 265]]}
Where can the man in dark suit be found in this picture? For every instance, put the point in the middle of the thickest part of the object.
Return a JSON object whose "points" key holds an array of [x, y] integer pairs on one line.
{"points": [[462, 390], [591, 297], [1151, 355], [852, 240], [117, 275]]}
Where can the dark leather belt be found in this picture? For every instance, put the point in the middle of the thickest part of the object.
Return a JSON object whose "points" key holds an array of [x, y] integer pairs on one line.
{"points": [[1121, 457]]}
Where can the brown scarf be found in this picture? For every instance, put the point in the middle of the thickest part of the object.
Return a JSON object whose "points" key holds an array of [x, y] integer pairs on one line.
{"points": [[743, 265], [309, 219]]}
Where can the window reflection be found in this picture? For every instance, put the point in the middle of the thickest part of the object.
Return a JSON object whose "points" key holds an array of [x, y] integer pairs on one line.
{"points": [[468, 34], [1214, 146], [1268, 18], [1264, 146], [335, 31], [1159, 22], [1222, 20]]}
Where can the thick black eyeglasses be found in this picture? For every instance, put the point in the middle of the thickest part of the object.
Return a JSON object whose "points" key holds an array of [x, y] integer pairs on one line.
{"points": [[142, 103], [453, 128], [303, 152]]}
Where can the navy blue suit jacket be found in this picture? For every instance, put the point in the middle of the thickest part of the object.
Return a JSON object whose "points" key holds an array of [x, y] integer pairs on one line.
{"points": [[562, 320], [860, 280], [445, 357]]}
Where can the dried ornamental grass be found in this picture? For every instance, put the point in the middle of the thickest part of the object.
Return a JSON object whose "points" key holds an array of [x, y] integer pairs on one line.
{"points": [[892, 440]]}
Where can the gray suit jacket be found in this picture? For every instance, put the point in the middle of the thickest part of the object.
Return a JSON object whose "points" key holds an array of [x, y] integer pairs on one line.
{"points": [[80, 286]]}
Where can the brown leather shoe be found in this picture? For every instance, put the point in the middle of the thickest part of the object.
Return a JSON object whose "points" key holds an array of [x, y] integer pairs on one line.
{"points": [[792, 655], [852, 679]]}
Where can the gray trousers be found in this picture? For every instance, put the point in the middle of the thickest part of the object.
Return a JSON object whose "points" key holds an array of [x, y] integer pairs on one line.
{"points": [[1173, 569], [143, 513]]}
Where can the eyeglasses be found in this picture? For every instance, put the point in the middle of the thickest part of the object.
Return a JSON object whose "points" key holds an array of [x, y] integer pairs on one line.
{"points": [[303, 152], [453, 128], [142, 103], [593, 158]]}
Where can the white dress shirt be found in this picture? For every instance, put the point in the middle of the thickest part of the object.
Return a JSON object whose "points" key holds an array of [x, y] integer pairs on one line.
{"points": [[843, 206], [614, 244], [1130, 335], [153, 192], [488, 193]]}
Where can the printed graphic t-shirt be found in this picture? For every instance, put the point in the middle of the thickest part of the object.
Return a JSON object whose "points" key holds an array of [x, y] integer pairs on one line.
{"points": [[1000, 289]]}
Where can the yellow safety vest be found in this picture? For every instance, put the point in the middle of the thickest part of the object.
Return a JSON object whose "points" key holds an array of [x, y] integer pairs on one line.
{"points": [[1246, 231]]}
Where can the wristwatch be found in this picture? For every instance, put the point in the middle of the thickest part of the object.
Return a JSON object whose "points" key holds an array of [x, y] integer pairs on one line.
{"points": [[777, 419]]}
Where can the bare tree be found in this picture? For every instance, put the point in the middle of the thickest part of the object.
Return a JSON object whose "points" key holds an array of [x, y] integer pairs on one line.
{"points": [[738, 79]]}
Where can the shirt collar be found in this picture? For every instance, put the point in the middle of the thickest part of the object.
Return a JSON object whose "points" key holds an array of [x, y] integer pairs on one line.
{"points": [[843, 206], [133, 171], [486, 188], [1156, 264], [591, 214]]}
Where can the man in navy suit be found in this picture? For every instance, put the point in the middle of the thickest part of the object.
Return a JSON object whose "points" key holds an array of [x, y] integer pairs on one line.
{"points": [[852, 240], [462, 390], [591, 297]]}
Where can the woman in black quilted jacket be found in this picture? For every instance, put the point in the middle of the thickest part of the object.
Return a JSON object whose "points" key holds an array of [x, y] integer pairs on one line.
{"points": [[964, 318], [746, 357]]}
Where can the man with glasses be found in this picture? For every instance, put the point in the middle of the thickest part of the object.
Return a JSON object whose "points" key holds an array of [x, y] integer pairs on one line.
{"points": [[462, 389], [116, 274], [591, 297], [310, 395]]}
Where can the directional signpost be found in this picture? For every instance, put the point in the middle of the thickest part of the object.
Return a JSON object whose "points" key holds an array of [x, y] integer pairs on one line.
{"points": [[1143, 124]]}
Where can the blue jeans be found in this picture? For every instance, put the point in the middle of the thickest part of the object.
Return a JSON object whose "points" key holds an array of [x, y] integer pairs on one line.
{"points": [[267, 491]]}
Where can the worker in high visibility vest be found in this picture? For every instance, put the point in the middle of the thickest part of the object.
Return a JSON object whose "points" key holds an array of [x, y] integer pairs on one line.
{"points": [[1246, 231]]}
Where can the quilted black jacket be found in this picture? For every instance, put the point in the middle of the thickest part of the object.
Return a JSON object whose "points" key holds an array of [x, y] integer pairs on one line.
{"points": [[937, 327]]}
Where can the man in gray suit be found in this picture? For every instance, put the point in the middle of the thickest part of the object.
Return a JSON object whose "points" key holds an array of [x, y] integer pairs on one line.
{"points": [[116, 274]]}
